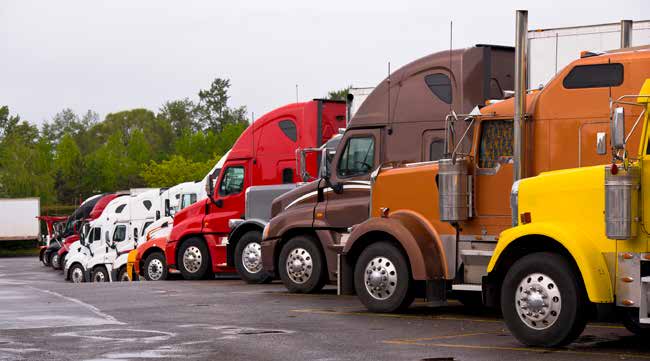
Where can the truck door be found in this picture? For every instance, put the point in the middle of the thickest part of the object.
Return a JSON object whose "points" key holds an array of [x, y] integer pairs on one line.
{"points": [[350, 171], [229, 197], [494, 176]]}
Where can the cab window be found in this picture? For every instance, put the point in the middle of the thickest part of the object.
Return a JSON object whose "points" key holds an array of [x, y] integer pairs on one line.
{"points": [[96, 234], [496, 143], [232, 181], [188, 199], [120, 233], [358, 157], [145, 227], [437, 149]]}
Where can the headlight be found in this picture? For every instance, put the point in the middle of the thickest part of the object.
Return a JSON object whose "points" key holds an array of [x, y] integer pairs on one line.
{"points": [[514, 203]]}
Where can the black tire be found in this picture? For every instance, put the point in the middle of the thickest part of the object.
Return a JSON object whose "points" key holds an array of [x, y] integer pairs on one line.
{"points": [[251, 272], [386, 260], [80, 275], [100, 274], [202, 260], [41, 257], [122, 276], [312, 275], [63, 261], [568, 323], [55, 261], [630, 319], [154, 267], [47, 259]]}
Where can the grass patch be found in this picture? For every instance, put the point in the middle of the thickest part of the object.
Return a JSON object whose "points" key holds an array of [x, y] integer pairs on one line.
{"points": [[18, 248]]}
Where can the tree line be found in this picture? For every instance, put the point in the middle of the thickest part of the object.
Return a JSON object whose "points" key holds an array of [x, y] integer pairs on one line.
{"points": [[73, 156]]}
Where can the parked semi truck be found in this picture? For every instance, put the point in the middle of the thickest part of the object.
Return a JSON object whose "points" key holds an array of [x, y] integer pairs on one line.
{"points": [[403, 119], [153, 244], [434, 227], [53, 227], [563, 260], [20, 219], [263, 155]]}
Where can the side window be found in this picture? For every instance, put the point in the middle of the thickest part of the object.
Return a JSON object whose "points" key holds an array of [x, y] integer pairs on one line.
{"points": [[289, 129], [594, 76], [147, 204], [120, 233], [192, 198], [440, 86], [232, 181], [97, 234], [358, 157], [120, 208], [188, 199], [496, 143], [287, 175], [145, 226], [436, 149]]}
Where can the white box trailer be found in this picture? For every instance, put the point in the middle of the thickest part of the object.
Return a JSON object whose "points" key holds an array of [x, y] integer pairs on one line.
{"points": [[18, 219], [550, 50], [360, 95]]}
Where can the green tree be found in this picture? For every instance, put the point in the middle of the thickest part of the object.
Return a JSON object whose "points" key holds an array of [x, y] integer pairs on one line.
{"points": [[180, 115], [175, 170], [213, 111], [69, 168], [340, 94]]}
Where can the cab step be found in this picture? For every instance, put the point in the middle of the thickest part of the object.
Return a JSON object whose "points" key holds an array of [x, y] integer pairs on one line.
{"points": [[466, 287], [475, 263]]}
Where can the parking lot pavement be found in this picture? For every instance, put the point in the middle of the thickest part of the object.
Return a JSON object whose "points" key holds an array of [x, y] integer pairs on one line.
{"points": [[43, 317]]}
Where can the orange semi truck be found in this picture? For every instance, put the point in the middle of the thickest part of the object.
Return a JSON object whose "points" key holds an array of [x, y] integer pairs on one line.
{"points": [[433, 226]]}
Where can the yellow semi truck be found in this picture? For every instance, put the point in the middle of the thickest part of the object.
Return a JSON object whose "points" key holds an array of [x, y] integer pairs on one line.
{"points": [[580, 242]]}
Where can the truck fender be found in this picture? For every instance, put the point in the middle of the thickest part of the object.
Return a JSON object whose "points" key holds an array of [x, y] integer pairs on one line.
{"points": [[237, 232], [417, 237], [590, 261]]}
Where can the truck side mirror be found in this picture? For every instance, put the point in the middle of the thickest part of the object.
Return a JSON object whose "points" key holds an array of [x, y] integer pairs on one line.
{"points": [[107, 238], [618, 128], [157, 215], [209, 185], [323, 172]]}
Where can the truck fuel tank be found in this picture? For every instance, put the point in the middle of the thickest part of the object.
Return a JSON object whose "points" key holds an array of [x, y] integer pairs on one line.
{"points": [[622, 202], [455, 190]]}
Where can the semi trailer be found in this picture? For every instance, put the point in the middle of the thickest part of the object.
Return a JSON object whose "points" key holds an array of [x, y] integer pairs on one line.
{"points": [[403, 119], [20, 221]]}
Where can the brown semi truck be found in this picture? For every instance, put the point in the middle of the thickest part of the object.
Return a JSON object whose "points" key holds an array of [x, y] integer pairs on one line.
{"points": [[403, 119], [433, 227]]}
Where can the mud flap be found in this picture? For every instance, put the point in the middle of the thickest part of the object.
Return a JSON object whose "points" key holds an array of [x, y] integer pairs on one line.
{"points": [[345, 276], [88, 275], [113, 275], [436, 291]]}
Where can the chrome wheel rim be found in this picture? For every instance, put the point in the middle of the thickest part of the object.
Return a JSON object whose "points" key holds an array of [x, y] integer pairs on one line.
{"points": [[538, 301], [99, 277], [77, 275], [299, 265], [251, 257], [192, 259], [55, 260], [380, 278], [155, 269]]}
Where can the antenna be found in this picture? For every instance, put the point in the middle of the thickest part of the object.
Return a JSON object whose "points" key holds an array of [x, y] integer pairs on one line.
{"points": [[253, 136], [390, 129], [296, 93], [451, 47]]}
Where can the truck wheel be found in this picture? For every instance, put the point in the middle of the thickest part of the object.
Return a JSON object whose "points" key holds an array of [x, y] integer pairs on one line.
{"points": [[62, 261], [122, 276], [301, 266], [630, 319], [195, 262], [382, 278], [542, 300], [100, 274], [47, 258], [76, 273], [55, 261], [155, 267], [42, 257], [248, 258]]}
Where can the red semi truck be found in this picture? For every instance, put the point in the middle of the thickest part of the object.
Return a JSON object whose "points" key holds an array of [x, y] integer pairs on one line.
{"points": [[264, 154]]}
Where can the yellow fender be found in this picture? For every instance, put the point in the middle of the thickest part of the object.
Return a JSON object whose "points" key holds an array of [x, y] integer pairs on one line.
{"points": [[591, 262]]}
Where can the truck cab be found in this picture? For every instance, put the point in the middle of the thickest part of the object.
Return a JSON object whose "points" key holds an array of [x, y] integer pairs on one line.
{"points": [[563, 262], [403, 119], [438, 224], [264, 154]]}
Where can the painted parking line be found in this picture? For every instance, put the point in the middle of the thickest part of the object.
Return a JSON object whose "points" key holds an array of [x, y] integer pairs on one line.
{"points": [[618, 355], [338, 311]]}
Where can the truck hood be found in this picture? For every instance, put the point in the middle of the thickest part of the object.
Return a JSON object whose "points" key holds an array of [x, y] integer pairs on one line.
{"points": [[302, 194]]}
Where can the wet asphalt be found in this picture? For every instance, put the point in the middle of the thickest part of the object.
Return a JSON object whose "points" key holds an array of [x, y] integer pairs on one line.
{"points": [[42, 317]]}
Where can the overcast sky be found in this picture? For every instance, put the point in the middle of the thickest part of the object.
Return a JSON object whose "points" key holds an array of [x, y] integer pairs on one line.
{"points": [[116, 55]]}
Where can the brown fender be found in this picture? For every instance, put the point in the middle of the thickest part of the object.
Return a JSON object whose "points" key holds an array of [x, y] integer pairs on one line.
{"points": [[418, 238]]}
